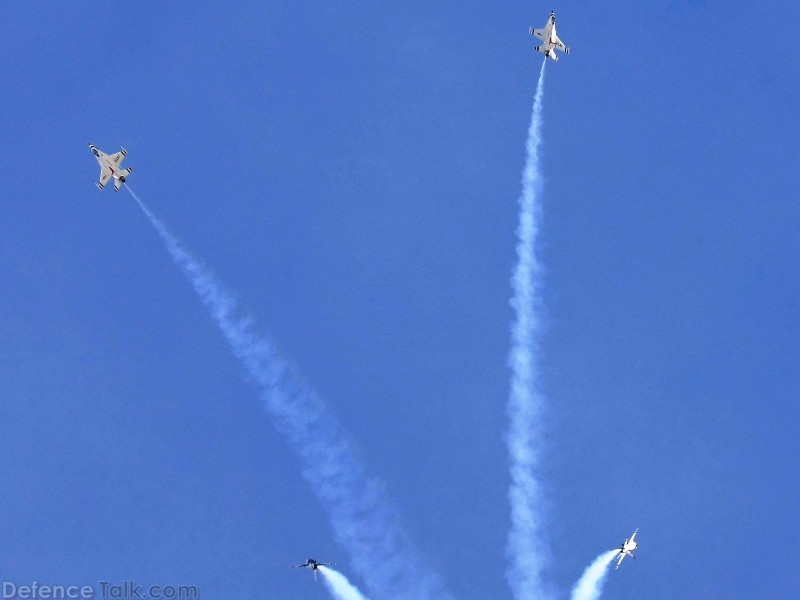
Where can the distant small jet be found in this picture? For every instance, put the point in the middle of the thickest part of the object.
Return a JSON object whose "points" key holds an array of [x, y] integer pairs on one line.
{"points": [[313, 565], [626, 549], [550, 39], [110, 167]]}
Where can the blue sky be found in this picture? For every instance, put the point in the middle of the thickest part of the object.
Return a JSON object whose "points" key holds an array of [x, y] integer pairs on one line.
{"points": [[351, 173]]}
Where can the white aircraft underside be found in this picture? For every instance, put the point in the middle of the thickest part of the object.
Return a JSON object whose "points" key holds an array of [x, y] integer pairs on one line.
{"points": [[627, 548], [550, 39], [111, 167]]}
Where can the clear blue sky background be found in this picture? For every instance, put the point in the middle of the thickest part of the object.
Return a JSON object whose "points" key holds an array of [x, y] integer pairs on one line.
{"points": [[351, 171]]}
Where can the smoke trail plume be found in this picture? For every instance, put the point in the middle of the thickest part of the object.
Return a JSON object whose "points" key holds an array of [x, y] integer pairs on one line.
{"points": [[590, 585], [338, 585], [526, 549], [363, 520]]}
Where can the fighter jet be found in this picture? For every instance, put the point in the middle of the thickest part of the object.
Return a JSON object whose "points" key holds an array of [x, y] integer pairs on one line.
{"points": [[110, 167], [550, 39], [626, 549], [313, 565]]}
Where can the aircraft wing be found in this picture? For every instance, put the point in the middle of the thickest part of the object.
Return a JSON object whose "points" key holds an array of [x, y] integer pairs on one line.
{"points": [[105, 174], [117, 158], [560, 45], [539, 33], [619, 560]]}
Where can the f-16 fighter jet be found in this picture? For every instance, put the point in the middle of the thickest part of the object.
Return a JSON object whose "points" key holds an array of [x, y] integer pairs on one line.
{"points": [[626, 549], [110, 167], [313, 565], [550, 39]]}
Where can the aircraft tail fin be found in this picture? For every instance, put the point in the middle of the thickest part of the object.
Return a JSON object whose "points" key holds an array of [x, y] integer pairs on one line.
{"points": [[118, 181]]}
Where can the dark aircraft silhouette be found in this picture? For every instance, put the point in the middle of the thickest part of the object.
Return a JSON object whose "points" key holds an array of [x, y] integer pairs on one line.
{"points": [[313, 565]]}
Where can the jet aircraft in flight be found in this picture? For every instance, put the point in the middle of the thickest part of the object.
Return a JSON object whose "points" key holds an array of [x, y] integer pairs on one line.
{"points": [[110, 167], [313, 565], [627, 548], [550, 39]]}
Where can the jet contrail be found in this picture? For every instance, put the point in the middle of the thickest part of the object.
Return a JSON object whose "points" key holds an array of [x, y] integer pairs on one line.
{"points": [[590, 585], [363, 520], [338, 585], [526, 548]]}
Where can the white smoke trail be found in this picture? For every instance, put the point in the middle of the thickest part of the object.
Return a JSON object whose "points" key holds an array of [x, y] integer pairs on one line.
{"points": [[526, 548], [338, 585], [363, 520], [590, 585]]}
